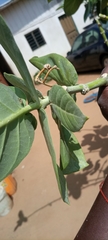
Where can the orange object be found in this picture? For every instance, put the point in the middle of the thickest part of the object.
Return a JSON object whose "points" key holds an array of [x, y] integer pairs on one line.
{"points": [[10, 185]]}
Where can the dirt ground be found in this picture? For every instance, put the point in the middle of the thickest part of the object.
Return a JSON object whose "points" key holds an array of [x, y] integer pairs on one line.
{"points": [[38, 212]]}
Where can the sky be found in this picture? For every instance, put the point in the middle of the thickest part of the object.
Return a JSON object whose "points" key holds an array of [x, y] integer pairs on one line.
{"points": [[2, 2]]}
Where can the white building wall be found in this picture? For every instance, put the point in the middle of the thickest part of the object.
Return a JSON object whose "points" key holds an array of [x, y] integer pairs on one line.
{"points": [[78, 18], [56, 41], [26, 15], [9, 61]]}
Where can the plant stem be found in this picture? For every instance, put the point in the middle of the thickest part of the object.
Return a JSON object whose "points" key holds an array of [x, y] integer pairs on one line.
{"points": [[84, 88], [19, 113], [44, 102], [103, 16], [102, 31]]}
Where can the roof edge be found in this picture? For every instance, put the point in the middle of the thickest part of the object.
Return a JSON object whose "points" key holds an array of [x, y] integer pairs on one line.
{"points": [[7, 4]]}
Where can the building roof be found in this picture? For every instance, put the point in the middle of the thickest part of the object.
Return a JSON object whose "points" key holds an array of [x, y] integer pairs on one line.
{"points": [[7, 3]]}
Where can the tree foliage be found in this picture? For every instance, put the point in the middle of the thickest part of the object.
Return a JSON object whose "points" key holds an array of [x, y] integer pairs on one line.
{"points": [[92, 7]]}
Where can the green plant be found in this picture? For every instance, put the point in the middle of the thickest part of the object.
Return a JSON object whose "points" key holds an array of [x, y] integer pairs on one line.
{"points": [[17, 124], [92, 7]]}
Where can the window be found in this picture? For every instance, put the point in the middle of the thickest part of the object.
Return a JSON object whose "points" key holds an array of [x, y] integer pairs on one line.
{"points": [[78, 43], [91, 37], [85, 39], [35, 39]]}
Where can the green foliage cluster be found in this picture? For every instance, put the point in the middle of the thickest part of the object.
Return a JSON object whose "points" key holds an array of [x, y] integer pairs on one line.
{"points": [[92, 7], [17, 124]]}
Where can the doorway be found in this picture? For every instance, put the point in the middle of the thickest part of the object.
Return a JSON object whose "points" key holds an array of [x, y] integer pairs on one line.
{"points": [[69, 28]]}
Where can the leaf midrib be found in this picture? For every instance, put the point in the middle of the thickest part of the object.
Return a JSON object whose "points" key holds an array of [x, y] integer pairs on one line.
{"points": [[18, 113]]}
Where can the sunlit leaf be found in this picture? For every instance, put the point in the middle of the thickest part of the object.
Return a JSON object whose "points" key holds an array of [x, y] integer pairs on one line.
{"points": [[66, 109], [71, 154], [8, 43], [20, 94], [59, 175], [71, 6], [15, 143], [16, 129], [18, 82]]}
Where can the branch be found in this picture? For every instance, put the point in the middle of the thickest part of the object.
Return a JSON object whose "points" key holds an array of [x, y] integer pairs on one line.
{"points": [[85, 88], [103, 17], [82, 88], [102, 31]]}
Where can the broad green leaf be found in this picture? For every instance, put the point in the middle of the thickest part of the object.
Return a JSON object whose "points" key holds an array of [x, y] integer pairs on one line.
{"points": [[20, 94], [65, 75], [9, 102], [66, 109], [71, 6], [18, 82], [16, 128], [59, 175], [71, 155], [8, 43], [15, 143], [11, 106], [64, 155]]}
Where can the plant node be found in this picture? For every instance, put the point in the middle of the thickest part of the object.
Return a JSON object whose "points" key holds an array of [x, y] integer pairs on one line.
{"points": [[85, 89]]}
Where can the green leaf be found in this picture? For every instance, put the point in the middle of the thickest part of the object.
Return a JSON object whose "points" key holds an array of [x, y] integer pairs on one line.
{"points": [[9, 102], [20, 94], [65, 75], [18, 82], [71, 155], [8, 43], [66, 109], [15, 143], [11, 106], [17, 127], [71, 6], [59, 175]]}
